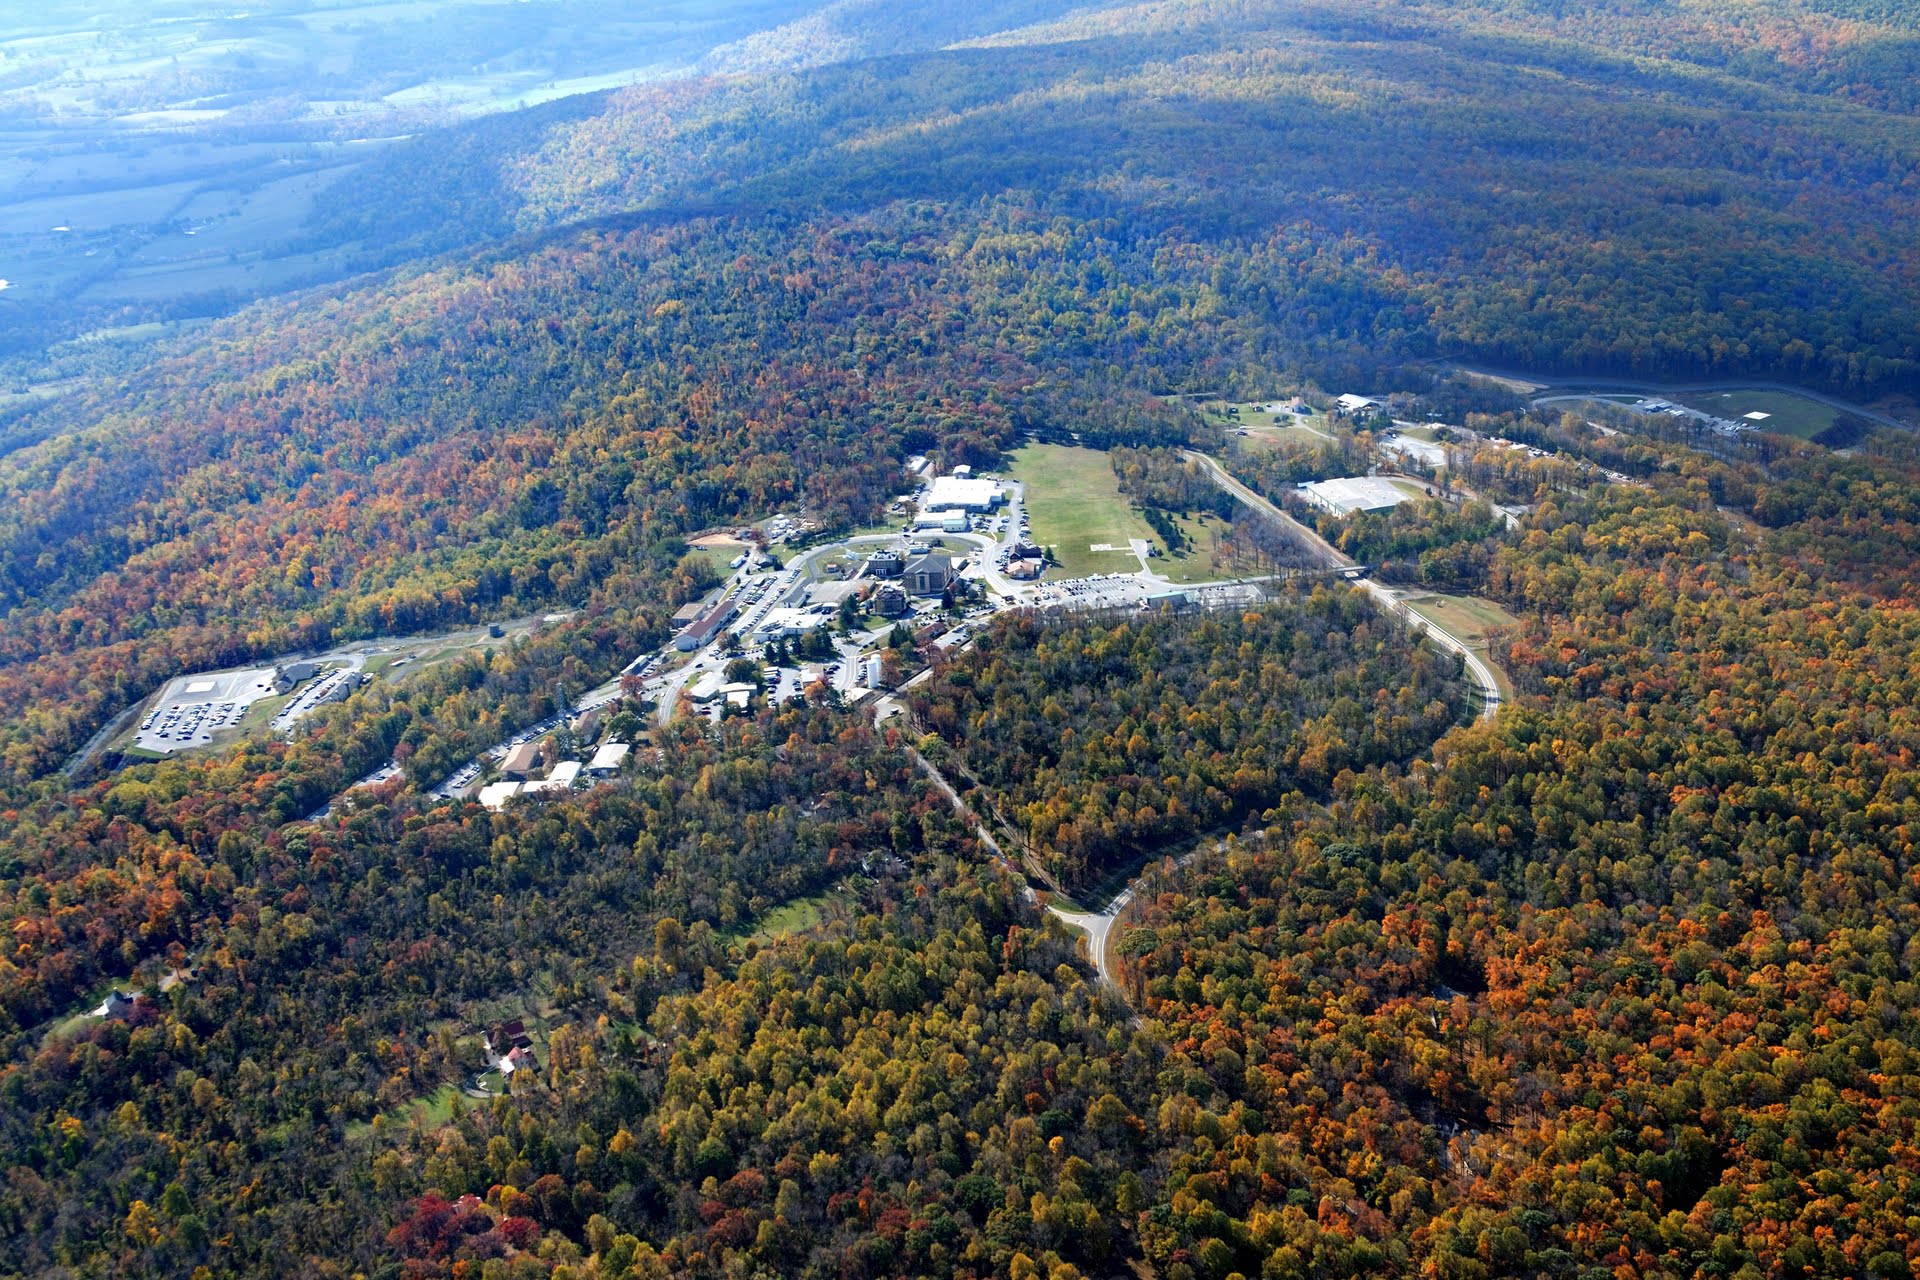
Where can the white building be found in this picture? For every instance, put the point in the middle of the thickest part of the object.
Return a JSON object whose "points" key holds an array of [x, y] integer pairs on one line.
{"points": [[1354, 493], [1354, 404], [565, 774], [494, 795], [785, 622], [607, 760], [959, 493]]}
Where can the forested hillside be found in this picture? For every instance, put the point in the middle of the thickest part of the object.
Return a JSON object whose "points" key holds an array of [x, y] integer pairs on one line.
{"points": [[1619, 981], [1106, 742], [1025, 233]]}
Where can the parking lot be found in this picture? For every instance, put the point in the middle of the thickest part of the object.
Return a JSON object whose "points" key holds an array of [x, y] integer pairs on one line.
{"points": [[330, 686], [192, 708], [1100, 591]]}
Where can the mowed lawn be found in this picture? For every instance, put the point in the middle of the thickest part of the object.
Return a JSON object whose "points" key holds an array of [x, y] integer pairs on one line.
{"points": [[1265, 430], [1468, 617], [1203, 560], [1074, 503], [1790, 415]]}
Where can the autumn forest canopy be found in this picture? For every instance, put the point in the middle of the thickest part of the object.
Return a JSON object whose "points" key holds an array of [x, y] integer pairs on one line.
{"points": [[1615, 972]]}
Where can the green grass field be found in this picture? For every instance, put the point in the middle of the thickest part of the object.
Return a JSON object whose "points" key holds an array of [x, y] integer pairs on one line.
{"points": [[721, 558], [431, 1111], [1468, 617], [1791, 415], [789, 918], [1265, 430], [1203, 560], [1074, 502]]}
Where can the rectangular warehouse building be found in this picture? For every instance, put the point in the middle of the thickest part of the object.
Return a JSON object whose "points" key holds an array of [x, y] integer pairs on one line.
{"points": [[1354, 493], [954, 493]]}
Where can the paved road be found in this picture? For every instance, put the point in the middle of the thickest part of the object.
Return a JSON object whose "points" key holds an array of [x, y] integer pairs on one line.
{"points": [[1329, 558], [1098, 925], [1385, 598], [1554, 389]]}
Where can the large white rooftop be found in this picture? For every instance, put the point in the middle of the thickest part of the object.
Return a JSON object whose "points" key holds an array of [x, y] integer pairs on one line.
{"points": [[955, 493], [1355, 493]]}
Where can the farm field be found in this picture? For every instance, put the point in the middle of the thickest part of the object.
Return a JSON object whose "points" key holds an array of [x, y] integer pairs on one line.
{"points": [[162, 160], [1074, 502]]}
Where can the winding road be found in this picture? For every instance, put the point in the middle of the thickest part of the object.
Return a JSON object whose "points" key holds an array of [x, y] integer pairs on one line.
{"points": [[1550, 390], [1098, 925], [1386, 599]]}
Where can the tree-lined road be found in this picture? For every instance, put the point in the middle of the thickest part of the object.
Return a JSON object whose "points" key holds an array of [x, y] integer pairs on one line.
{"points": [[1384, 598]]}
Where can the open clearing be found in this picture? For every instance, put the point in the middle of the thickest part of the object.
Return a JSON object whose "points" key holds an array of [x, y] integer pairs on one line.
{"points": [[1074, 502], [791, 917], [1254, 427], [1204, 560], [432, 1111], [1467, 617], [1787, 414]]}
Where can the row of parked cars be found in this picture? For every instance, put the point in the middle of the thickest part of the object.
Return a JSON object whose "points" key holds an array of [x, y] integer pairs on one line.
{"points": [[185, 723]]}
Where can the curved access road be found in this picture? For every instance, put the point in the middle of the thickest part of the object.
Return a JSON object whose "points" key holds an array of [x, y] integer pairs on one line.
{"points": [[1384, 598], [1553, 388]]}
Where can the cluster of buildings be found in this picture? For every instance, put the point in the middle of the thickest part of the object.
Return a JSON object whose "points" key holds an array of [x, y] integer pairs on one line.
{"points": [[699, 623], [1025, 562], [508, 1047], [1723, 426], [950, 502], [713, 687], [528, 758], [918, 569]]}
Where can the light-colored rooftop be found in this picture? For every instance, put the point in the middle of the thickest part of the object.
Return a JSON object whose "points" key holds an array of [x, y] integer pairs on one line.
{"points": [[785, 618], [608, 757], [948, 493], [495, 795], [1355, 493]]}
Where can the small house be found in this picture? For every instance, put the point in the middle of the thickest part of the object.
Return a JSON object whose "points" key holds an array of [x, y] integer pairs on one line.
{"points": [[503, 1037]]}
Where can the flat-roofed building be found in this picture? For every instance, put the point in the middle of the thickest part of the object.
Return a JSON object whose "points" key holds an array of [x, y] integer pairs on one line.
{"points": [[785, 623], [1352, 494], [955, 493], [607, 760]]}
